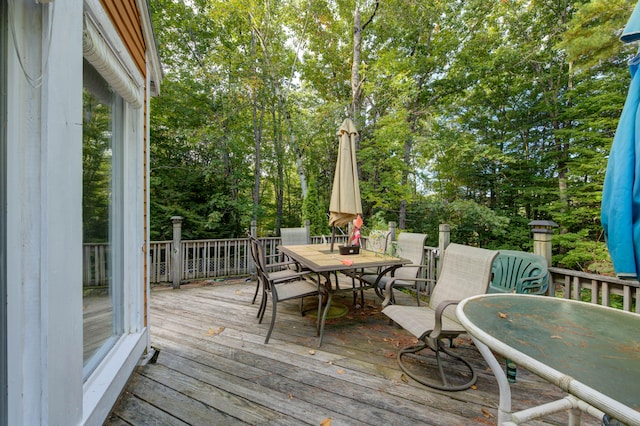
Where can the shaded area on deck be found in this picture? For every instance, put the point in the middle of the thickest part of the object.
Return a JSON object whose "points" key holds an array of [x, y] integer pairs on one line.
{"points": [[214, 369]]}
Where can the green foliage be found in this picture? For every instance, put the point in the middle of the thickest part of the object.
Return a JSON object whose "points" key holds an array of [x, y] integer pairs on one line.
{"points": [[577, 251], [314, 210], [96, 169], [483, 115]]}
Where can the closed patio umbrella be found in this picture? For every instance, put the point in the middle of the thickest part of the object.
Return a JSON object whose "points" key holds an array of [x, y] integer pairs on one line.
{"points": [[620, 213], [345, 202]]}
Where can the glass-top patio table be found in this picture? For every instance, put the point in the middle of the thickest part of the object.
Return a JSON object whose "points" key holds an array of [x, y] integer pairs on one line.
{"points": [[590, 351], [320, 259]]}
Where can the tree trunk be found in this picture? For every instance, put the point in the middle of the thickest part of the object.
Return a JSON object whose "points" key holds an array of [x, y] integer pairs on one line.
{"points": [[356, 88], [257, 140], [279, 151]]}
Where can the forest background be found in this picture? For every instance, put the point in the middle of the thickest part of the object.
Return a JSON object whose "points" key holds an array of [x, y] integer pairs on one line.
{"points": [[481, 114]]}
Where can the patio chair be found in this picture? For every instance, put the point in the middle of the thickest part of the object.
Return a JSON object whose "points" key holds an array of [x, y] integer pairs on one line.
{"points": [[466, 272], [518, 272], [281, 285], [293, 237], [279, 270], [409, 246], [377, 241]]}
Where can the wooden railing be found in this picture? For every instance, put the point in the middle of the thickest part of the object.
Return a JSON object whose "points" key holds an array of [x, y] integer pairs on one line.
{"points": [[95, 265], [599, 289], [210, 259]]}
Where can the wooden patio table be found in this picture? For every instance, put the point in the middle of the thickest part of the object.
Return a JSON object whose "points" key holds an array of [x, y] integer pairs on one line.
{"points": [[320, 259], [590, 351]]}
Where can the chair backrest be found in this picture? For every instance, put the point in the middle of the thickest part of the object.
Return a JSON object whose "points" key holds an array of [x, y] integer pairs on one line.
{"points": [[260, 259], [377, 241], [410, 246], [295, 236], [519, 271], [466, 272]]}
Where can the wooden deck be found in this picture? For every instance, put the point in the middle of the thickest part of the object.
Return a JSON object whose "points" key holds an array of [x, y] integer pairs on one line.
{"points": [[213, 369]]}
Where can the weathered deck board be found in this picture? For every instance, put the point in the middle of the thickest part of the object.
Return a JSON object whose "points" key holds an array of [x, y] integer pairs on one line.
{"points": [[213, 368]]}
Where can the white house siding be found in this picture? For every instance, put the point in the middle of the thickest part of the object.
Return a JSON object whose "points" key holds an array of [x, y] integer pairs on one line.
{"points": [[44, 200], [44, 222]]}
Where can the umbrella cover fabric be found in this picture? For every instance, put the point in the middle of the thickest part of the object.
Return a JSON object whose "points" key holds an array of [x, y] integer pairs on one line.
{"points": [[345, 202]]}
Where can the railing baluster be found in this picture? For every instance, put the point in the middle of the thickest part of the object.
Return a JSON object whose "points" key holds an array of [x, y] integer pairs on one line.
{"points": [[230, 257]]}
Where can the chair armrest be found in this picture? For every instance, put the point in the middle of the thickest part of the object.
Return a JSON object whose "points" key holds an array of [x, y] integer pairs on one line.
{"points": [[290, 277], [437, 328], [281, 264], [413, 265], [390, 284]]}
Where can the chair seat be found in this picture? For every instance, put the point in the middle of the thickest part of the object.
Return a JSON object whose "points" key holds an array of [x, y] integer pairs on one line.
{"points": [[283, 275], [296, 289], [420, 320]]}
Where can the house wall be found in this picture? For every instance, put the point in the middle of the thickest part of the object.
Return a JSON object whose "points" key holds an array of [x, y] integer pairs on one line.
{"points": [[126, 19], [43, 186], [44, 200]]}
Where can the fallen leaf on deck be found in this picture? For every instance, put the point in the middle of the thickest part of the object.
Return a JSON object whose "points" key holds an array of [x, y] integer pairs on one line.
{"points": [[341, 371], [213, 332], [502, 315], [312, 352], [390, 355], [474, 387], [404, 378], [290, 396], [486, 412], [326, 422], [330, 362]]}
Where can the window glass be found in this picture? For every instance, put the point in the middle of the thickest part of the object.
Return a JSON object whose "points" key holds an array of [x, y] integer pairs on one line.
{"points": [[102, 217]]}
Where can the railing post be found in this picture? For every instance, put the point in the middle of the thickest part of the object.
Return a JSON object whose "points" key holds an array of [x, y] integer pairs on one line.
{"points": [[307, 225], [444, 238], [542, 231], [176, 252], [253, 230], [392, 231]]}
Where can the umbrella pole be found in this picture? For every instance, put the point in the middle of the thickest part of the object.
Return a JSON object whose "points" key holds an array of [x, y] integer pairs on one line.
{"points": [[333, 236]]}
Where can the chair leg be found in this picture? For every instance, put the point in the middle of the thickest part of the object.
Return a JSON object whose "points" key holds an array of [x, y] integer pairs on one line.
{"points": [[263, 306], [511, 370], [255, 295], [274, 304], [444, 382]]}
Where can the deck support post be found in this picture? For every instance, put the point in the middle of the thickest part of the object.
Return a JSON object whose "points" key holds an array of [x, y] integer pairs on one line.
{"points": [[176, 251], [542, 231], [444, 238]]}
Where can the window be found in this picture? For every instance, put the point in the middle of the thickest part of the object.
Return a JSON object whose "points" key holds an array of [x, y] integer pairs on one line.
{"points": [[102, 224]]}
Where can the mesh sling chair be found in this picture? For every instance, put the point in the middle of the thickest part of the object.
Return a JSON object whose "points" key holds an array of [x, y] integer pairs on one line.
{"points": [[466, 271], [278, 271], [280, 286], [409, 246], [294, 237]]}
